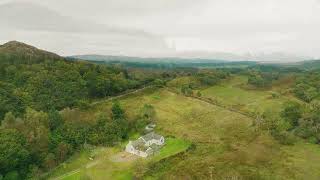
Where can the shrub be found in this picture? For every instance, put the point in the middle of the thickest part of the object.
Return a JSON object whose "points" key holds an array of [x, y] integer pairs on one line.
{"points": [[285, 138]]}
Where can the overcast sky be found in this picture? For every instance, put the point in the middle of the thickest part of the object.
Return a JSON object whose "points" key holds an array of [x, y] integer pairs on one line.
{"points": [[165, 27]]}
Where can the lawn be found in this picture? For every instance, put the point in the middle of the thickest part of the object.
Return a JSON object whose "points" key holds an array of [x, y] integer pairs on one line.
{"points": [[172, 146]]}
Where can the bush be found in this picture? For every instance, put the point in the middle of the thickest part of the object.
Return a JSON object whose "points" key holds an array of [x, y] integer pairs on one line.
{"points": [[275, 95], [83, 104], [13, 175], [313, 140], [285, 138]]}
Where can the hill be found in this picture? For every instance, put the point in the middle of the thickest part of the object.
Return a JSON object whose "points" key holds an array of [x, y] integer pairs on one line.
{"points": [[18, 52]]}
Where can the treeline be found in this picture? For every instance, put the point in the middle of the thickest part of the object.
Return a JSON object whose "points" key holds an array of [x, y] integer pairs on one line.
{"points": [[263, 76], [182, 64], [204, 78], [295, 120]]}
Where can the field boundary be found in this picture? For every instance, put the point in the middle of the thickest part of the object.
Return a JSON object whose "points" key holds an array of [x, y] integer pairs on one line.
{"points": [[213, 102], [110, 98]]}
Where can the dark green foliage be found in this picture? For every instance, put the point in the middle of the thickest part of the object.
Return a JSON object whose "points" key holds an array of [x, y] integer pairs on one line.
{"points": [[186, 90], [12, 175], [276, 126], [13, 152], [117, 111], [120, 123], [55, 120], [292, 113], [309, 124], [146, 116], [307, 86], [211, 77], [304, 120], [261, 80], [10, 101], [159, 83], [55, 83]]}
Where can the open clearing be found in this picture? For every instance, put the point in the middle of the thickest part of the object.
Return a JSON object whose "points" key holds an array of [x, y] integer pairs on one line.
{"points": [[225, 145]]}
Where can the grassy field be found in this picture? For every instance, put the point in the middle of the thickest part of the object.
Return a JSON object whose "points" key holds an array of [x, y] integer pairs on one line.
{"points": [[231, 93], [102, 167], [225, 144]]}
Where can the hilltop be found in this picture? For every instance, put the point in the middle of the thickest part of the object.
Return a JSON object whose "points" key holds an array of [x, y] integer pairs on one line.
{"points": [[13, 49]]}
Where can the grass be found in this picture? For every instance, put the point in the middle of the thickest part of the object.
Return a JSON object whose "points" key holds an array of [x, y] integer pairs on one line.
{"points": [[79, 161], [230, 93], [107, 169], [172, 146], [304, 158], [226, 144]]}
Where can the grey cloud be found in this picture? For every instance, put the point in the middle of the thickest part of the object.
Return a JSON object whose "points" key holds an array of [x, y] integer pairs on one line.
{"points": [[38, 24], [31, 16], [140, 26]]}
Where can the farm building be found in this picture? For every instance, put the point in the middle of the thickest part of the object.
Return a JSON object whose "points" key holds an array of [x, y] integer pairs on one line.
{"points": [[145, 145]]}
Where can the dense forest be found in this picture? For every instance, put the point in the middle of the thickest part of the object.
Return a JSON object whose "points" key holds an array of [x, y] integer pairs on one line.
{"points": [[43, 81]]}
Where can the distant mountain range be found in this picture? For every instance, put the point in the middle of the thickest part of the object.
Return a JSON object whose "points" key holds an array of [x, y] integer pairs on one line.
{"points": [[204, 56], [107, 58], [165, 62]]}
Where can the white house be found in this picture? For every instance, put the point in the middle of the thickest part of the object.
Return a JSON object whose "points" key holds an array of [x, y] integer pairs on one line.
{"points": [[145, 145]]}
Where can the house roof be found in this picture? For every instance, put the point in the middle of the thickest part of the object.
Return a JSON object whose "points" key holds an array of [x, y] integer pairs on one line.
{"points": [[151, 136], [139, 144]]}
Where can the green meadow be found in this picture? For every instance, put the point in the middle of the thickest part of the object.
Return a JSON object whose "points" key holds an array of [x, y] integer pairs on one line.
{"points": [[233, 93], [203, 140]]}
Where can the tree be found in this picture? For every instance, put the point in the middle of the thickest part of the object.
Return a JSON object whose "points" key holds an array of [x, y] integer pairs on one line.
{"points": [[309, 124], [12, 175], [148, 112], [117, 111], [49, 161], [37, 133], [13, 151], [159, 83], [186, 90], [292, 113], [119, 121], [9, 120], [55, 120], [62, 151]]}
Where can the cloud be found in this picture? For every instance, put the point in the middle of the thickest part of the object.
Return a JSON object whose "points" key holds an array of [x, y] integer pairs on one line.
{"points": [[35, 23], [242, 26]]}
